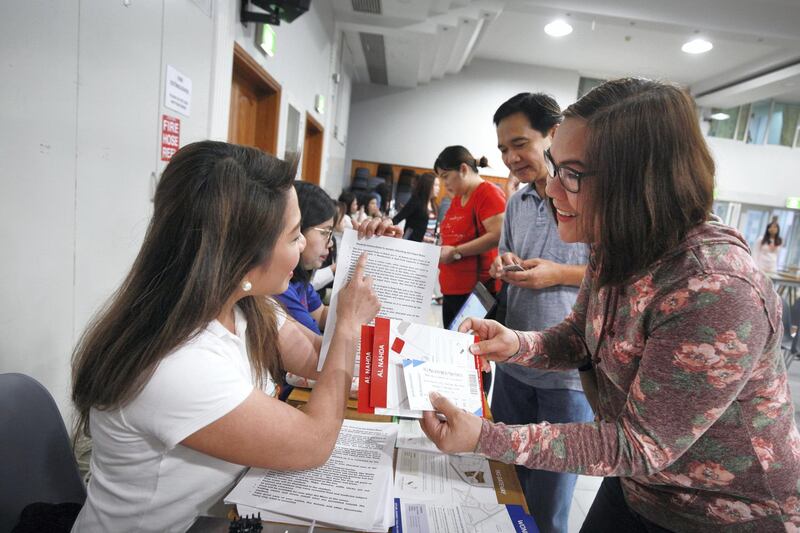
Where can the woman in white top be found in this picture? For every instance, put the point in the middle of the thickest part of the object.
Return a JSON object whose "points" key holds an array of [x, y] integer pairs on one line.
{"points": [[767, 255], [173, 378]]}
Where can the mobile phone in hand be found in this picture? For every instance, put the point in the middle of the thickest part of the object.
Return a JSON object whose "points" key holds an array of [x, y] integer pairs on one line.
{"points": [[513, 267]]}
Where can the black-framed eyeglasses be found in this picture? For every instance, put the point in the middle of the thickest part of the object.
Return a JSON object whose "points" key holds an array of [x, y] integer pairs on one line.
{"points": [[326, 232], [569, 178]]}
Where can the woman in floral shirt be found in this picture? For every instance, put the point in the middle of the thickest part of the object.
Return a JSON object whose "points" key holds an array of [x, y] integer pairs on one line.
{"points": [[696, 424]]}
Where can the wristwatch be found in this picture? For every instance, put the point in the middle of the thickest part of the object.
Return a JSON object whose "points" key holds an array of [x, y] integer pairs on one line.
{"points": [[456, 254]]}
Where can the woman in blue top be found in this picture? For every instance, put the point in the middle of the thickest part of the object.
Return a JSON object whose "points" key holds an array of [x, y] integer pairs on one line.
{"points": [[317, 212]]}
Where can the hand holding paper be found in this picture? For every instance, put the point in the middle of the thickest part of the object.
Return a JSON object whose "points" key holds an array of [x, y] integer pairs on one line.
{"points": [[459, 384], [498, 343], [459, 433]]}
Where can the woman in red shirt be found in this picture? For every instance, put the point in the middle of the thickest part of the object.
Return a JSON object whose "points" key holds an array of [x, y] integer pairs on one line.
{"points": [[470, 230]]}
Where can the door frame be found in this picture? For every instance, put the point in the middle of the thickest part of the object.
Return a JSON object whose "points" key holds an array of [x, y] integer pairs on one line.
{"points": [[312, 155], [246, 65]]}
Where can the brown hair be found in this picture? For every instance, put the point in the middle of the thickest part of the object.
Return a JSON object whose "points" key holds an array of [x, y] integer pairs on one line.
{"points": [[652, 174], [218, 213], [423, 189]]}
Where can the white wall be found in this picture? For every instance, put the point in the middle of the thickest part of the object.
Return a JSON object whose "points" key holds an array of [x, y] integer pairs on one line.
{"points": [[81, 103], [411, 126], [755, 174], [37, 168]]}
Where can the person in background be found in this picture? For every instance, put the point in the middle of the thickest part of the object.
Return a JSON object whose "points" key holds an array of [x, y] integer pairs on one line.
{"points": [[373, 205], [696, 428], [512, 185], [361, 213], [420, 208], [368, 207], [537, 297], [348, 208], [768, 248], [470, 230], [174, 376], [317, 214], [384, 192]]}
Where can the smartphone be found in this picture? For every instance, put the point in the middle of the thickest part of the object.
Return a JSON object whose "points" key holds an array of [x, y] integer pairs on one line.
{"points": [[514, 267]]}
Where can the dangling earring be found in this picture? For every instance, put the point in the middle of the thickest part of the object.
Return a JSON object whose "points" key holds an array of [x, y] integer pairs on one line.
{"points": [[246, 286]]}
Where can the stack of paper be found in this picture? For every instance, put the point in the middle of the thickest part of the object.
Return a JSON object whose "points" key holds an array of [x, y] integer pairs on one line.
{"points": [[352, 490], [437, 493], [403, 362]]}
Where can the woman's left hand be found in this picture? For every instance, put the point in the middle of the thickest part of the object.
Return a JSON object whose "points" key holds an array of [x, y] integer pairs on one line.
{"points": [[458, 433], [379, 226], [446, 254]]}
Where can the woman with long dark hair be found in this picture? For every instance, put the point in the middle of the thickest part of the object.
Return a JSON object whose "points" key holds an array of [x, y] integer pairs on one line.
{"points": [[173, 378], [419, 209], [696, 428], [767, 251], [470, 230]]}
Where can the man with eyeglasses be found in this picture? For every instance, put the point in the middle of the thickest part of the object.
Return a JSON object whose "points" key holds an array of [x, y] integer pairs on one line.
{"points": [[543, 274]]}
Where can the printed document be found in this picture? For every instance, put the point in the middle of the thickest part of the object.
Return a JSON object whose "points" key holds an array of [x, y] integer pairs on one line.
{"points": [[427, 517], [437, 493], [403, 274], [351, 490]]}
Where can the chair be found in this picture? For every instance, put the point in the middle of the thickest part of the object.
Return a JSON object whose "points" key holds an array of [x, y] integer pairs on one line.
{"points": [[374, 181], [37, 463], [385, 171], [360, 180]]}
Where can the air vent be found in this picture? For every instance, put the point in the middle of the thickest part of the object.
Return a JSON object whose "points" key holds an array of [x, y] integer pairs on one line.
{"points": [[367, 6], [375, 54]]}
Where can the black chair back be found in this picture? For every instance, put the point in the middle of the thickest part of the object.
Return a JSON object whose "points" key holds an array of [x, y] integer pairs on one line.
{"points": [[37, 464]]}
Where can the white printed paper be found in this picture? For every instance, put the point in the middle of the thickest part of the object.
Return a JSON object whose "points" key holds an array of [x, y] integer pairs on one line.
{"points": [[403, 274], [423, 517], [458, 384], [178, 91], [352, 489], [446, 479]]}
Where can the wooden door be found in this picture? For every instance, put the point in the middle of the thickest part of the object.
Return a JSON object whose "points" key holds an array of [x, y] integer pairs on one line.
{"points": [[255, 104], [312, 150]]}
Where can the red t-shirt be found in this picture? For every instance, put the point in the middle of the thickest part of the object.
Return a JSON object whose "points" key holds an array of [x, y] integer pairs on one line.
{"points": [[458, 227]]}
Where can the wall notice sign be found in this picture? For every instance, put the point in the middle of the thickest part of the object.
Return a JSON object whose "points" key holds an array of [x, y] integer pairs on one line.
{"points": [[178, 92], [170, 136]]}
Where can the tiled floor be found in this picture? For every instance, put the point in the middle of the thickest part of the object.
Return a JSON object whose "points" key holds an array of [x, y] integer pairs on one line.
{"points": [[586, 487]]}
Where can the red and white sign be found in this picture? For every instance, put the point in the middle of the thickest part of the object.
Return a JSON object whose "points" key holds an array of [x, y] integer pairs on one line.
{"points": [[170, 136]]}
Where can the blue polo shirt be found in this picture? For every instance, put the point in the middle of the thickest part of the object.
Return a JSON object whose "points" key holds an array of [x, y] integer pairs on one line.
{"points": [[530, 231], [300, 300]]}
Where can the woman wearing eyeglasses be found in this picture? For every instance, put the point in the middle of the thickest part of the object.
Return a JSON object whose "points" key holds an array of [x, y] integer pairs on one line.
{"points": [[696, 429], [317, 212]]}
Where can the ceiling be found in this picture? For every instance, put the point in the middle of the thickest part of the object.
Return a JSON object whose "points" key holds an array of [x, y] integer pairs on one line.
{"points": [[755, 41]]}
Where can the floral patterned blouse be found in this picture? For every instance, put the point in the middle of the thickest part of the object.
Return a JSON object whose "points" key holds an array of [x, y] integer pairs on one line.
{"points": [[694, 406]]}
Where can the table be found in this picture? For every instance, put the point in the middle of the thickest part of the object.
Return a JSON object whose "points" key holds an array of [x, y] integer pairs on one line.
{"points": [[786, 285], [510, 492]]}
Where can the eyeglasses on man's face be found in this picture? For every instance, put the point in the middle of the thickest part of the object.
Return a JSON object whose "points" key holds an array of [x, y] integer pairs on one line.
{"points": [[326, 232], [569, 178]]}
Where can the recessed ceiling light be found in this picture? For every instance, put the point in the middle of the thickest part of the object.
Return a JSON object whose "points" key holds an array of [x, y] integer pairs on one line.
{"points": [[697, 46], [720, 116], [558, 28]]}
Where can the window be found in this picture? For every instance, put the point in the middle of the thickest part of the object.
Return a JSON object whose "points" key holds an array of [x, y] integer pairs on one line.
{"points": [[724, 128], [759, 121], [587, 84], [783, 124]]}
